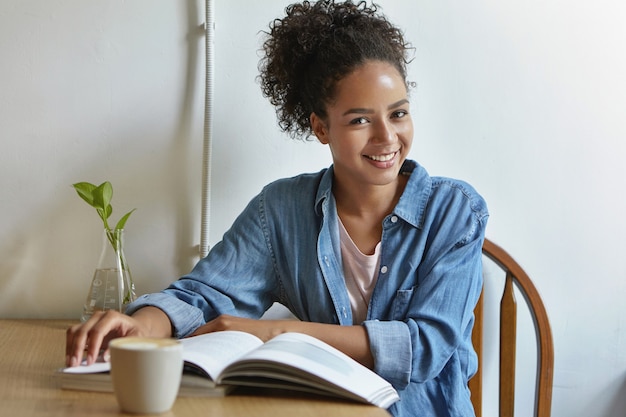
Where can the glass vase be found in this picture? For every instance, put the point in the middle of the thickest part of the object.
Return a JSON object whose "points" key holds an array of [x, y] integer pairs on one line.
{"points": [[112, 286]]}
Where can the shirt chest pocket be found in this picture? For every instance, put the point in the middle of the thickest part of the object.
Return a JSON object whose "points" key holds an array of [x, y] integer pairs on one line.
{"points": [[400, 305]]}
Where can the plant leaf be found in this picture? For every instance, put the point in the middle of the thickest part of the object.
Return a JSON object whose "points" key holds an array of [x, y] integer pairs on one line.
{"points": [[102, 195], [109, 210], [99, 197], [85, 191], [120, 224], [107, 192]]}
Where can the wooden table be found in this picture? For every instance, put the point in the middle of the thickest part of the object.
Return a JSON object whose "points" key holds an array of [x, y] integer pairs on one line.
{"points": [[32, 350]]}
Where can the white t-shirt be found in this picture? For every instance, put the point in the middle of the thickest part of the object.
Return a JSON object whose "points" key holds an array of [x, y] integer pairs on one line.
{"points": [[360, 272]]}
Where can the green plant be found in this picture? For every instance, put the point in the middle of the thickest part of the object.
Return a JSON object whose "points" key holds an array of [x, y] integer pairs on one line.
{"points": [[99, 197]]}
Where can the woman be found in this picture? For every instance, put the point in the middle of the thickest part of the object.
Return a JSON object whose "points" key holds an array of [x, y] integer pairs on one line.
{"points": [[373, 255]]}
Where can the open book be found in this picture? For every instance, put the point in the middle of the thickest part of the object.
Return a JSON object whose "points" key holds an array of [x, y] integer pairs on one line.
{"points": [[216, 362]]}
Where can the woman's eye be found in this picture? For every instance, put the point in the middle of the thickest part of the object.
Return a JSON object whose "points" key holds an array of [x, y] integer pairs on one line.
{"points": [[358, 121], [400, 114]]}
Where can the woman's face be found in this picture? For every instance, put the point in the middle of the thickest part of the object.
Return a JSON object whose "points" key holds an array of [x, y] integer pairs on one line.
{"points": [[368, 126]]}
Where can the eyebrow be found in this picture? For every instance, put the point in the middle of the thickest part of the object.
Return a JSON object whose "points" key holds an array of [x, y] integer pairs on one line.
{"points": [[362, 110]]}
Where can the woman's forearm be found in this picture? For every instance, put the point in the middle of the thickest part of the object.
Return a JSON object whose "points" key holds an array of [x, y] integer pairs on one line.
{"points": [[351, 340]]}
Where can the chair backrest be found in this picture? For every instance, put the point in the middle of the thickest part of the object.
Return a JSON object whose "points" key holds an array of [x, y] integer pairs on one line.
{"points": [[515, 276]]}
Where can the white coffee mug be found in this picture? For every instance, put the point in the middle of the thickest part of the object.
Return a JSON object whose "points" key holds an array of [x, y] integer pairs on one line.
{"points": [[146, 373]]}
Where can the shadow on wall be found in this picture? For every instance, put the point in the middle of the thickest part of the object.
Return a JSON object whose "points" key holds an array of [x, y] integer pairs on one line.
{"points": [[181, 148], [617, 407]]}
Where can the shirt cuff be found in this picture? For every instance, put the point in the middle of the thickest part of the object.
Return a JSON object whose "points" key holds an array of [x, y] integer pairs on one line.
{"points": [[390, 343], [184, 317]]}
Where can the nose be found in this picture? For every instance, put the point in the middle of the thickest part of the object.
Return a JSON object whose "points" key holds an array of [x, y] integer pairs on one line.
{"points": [[384, 132]]}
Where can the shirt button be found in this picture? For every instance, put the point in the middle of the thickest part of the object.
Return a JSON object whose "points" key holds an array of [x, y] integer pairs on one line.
{"points": [[383, 270], [394, 219]]}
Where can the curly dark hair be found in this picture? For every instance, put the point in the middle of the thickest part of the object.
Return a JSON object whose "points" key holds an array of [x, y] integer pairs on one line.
{"points": [[314, 46]]}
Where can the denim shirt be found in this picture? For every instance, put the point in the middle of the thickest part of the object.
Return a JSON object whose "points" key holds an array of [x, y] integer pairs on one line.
{"points": [[284, 247]]}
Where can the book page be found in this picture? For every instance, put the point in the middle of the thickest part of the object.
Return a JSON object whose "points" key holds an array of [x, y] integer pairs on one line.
{"points": [[212, 352], [96, 367]]}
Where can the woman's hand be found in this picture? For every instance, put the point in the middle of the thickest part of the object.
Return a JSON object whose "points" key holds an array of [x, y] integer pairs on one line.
{"points": [[263, 329], [94, 335]]}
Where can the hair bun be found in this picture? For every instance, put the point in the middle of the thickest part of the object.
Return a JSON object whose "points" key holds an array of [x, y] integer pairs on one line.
{"points": [[315, 45]]}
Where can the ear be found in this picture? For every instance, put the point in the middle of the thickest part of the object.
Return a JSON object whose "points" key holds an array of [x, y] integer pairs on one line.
{"points": [[319, 128]]}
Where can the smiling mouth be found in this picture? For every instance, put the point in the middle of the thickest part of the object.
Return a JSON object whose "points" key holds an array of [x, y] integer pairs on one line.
{"points": [[382, 158]]}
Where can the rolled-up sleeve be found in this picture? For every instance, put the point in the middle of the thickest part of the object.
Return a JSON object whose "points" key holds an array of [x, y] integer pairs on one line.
{"points": [[390, 343], [184, 317]]}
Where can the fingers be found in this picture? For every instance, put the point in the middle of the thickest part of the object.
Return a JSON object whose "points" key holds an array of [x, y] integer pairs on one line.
{"points": [[263, 329], [93, 336], [88, 337]]}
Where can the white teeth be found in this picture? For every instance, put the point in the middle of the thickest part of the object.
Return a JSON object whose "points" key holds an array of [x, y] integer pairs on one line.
{"points": [[382, 158]]}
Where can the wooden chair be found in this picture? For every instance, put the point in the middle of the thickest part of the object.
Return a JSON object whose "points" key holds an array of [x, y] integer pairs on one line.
{"points": [[515, 276]]}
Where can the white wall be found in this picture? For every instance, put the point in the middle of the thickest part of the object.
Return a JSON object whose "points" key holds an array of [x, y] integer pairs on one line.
{"points": [[524, 99]]}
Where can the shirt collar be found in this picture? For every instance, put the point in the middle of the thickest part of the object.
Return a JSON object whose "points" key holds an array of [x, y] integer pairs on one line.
{"points": [[414, 199], [324, 190], [412, 204]]}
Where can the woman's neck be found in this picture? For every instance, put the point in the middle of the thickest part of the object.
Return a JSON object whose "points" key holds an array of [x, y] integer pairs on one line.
{"points": [[368, 200], [362, 210]]}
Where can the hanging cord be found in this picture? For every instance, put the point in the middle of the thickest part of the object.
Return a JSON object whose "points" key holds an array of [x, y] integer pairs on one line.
{"points": [[209, 27]]}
